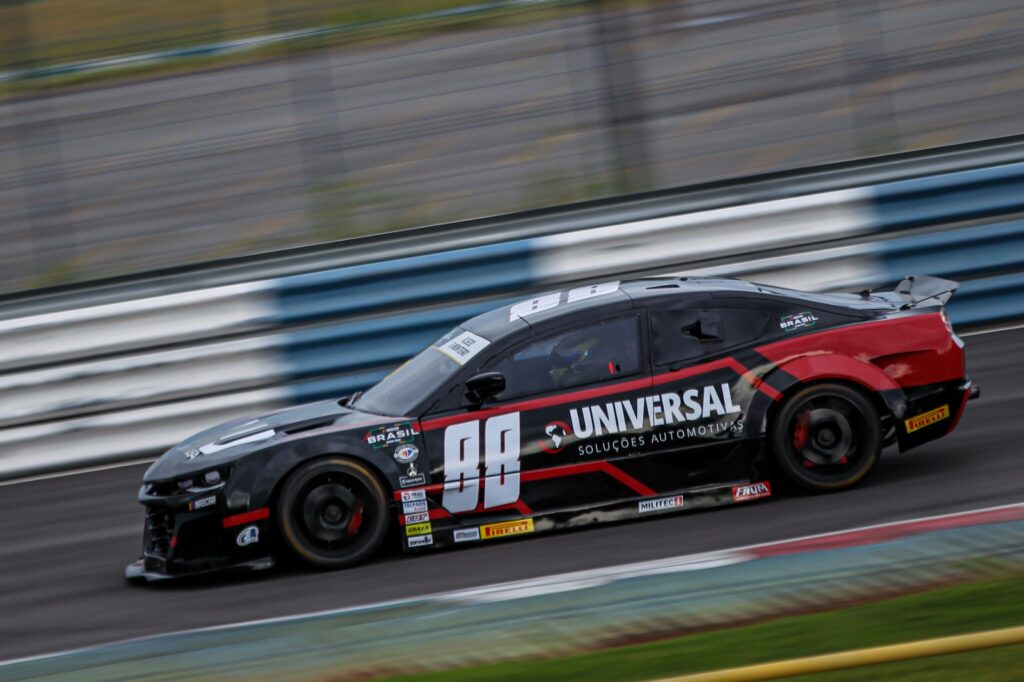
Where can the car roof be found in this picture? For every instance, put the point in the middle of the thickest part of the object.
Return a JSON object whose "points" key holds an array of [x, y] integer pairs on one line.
{"points": [[545, 309]]}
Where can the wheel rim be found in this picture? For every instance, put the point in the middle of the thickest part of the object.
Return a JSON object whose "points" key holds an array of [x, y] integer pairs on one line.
{"points": [[826, 435], [334, 512]]}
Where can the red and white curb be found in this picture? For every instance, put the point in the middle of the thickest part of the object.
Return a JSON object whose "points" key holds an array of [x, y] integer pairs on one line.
{"points": [[865, 535], [854, 537]]}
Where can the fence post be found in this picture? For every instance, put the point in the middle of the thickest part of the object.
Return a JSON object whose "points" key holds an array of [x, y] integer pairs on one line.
{"points": [[621, 97]]}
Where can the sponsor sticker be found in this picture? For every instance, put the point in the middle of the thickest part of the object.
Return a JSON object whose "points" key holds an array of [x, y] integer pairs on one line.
{"points": [[413, 507], [388, 436], [406, 453], [248, 536], [556, 432], [927, 419], [412, 477], [202, 502], [420, 540], [673, 502], [418, 529], [665, 409], [466, 534], [413, 495], [751, 491], [789, 323], [506, 528], [420, 517], [463, 347]]}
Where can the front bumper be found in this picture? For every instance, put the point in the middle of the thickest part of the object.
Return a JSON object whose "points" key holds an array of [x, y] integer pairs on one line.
{"points": [[192, 533]]}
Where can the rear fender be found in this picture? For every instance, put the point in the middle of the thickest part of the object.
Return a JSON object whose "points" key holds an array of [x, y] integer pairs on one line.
{"points": [[830, 367]]}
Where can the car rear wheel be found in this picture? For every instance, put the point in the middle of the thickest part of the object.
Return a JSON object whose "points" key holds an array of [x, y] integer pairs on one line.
{"points": [[826, 437], [332, 513]]}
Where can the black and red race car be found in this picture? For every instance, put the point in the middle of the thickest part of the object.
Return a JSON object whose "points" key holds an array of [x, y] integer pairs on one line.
{"points": [[604, 402]]}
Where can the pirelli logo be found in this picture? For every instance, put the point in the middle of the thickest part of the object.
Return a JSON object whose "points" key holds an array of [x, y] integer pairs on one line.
{"points": [[505, 529], [927, 419], [418, 529]]}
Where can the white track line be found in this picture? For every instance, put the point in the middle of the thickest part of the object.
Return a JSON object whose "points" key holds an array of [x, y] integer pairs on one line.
{"points": [[993, 330], [75, 472], [572, 580]]}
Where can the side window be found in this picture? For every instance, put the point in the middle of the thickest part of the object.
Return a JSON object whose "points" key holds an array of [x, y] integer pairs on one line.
{"points": [[685, 334], [600, 351]]}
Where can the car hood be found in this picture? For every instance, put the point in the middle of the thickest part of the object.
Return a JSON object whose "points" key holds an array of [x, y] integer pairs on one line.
{"points": [[234, 439]]}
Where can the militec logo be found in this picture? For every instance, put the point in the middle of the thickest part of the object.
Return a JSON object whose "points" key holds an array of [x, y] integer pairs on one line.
{"points": [[661, 503], [557, 432], [751, 491]]}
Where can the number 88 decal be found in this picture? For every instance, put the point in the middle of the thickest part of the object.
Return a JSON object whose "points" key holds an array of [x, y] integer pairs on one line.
{"points": [[462, 463]]}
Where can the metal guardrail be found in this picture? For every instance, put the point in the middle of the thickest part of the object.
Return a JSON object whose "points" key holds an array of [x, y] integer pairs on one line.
{"points": [[523, 225], [127, 379]]}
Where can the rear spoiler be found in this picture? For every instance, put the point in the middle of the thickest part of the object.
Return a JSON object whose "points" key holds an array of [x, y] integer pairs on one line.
{"points": [[916, 289]]}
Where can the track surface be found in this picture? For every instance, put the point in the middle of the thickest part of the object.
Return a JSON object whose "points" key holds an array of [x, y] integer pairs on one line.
{"points": [[64, 542]]}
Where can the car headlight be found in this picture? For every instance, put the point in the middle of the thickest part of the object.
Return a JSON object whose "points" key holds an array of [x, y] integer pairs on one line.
{"points": [[213, 478]]}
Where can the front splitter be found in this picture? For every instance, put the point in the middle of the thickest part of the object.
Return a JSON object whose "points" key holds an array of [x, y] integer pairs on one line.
{"points": [[136, 571]]}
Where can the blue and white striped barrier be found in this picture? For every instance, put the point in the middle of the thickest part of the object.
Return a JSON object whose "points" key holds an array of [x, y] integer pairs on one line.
{"points": [[127, 379]]}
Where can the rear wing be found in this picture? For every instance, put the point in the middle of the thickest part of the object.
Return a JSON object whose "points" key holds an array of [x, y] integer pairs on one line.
{"points": [[918, 289]]}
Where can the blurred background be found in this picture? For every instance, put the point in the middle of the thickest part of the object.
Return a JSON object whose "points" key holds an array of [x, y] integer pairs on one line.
{"points": [[218, 208], [137, 135]]}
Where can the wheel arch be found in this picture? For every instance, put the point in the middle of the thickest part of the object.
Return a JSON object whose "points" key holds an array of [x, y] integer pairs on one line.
{"points": [[885, 410], [365, 461], [809, 370]]}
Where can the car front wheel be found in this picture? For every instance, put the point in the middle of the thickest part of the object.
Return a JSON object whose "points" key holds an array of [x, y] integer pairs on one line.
{"points": [[333, 513]]}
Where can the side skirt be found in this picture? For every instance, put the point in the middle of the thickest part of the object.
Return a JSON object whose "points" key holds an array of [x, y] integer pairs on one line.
{"points": [[447, 532]]}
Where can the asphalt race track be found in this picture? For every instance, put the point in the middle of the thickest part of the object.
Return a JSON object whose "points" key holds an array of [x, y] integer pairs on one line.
{"points": [[64, 541]]}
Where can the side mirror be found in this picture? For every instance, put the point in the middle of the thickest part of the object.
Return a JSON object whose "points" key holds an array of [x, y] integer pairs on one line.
{"points": [[483, 387]]}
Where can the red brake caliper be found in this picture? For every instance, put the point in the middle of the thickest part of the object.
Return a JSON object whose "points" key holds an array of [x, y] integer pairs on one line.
{"points": [[800, 435], [357, 519]]}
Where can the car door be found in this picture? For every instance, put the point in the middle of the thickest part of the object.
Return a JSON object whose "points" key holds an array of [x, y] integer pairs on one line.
{"points": [[700, 359], [550, 440]]}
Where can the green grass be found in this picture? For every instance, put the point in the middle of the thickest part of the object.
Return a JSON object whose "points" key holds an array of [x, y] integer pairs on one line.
{"points": [[948, 611]]}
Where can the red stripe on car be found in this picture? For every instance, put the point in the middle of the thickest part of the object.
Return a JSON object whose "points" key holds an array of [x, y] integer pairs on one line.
{"points": [[915, 350], [601, 391], [247, 517], [587, 468], [550, 472]]}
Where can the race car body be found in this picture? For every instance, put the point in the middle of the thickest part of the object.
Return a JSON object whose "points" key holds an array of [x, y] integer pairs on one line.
{"points": [[599, 403]]}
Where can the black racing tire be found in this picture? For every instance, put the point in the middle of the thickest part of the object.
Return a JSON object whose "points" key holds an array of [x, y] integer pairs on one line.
{"points": [[332, 513], [826, 437]]}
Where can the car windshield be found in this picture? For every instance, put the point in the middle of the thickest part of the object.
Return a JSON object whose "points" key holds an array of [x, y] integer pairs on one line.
{"points": [[420, 377]]}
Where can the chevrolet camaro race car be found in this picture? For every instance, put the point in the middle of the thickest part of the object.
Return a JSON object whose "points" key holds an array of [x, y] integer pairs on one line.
{"points": [[601, 403]]}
